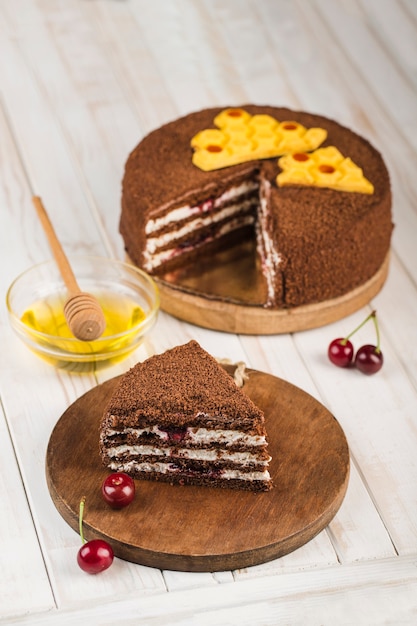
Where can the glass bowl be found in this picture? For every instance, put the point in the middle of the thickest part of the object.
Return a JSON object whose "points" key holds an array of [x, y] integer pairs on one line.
{"points": [[128, 296]]}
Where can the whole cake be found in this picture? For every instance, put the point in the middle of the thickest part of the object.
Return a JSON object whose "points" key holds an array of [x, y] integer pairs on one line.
{"points": [[179, 417], [315, 195]]}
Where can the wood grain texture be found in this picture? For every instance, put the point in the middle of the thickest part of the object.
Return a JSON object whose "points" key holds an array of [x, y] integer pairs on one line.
{"points": [[208, 529]]}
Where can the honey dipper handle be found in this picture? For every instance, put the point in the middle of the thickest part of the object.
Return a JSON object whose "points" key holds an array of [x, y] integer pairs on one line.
{"points": [[59, 254]]}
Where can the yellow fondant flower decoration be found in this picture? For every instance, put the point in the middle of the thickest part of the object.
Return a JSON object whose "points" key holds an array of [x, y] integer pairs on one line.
{"points": [[325, 167], [242, 137]]}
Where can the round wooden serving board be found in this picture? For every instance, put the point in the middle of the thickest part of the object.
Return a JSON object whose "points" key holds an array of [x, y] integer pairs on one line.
{"points": [[200, 528], [226, 295]]}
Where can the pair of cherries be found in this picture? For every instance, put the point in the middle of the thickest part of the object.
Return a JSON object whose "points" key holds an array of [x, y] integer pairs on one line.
{"points": [[96, 555], [368, 358]]}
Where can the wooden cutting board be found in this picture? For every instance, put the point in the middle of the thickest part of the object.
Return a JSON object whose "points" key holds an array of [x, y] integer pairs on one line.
{"points": [[207, 529], [226, 295]]}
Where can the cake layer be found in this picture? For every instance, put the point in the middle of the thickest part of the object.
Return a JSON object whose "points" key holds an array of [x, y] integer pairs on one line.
{"points": [[193, 227], [184, 229], [245, 459], [192, 436], [184, 213], [208, 246], [160, 250], [210, 477]]}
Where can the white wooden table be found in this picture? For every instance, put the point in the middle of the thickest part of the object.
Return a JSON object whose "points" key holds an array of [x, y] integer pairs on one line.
{"points": [[82, 81]]}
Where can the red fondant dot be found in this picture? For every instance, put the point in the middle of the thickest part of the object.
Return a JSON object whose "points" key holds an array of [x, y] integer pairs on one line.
{"points": [[300, 156], [214, 148], [326, 169]]}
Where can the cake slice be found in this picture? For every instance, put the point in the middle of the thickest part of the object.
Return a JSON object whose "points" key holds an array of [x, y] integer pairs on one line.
{"points": [[179, 417]]}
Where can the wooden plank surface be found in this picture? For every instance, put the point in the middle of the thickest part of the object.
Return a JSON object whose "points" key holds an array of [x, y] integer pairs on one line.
{"points": [[81, 83]]}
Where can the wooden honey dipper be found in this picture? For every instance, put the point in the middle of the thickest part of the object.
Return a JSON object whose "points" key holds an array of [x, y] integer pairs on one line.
{"points": [[82, 311]]}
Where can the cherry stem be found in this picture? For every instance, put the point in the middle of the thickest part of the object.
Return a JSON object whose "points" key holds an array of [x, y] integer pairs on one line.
{"points": [[82, 503], [377, 349], [373, 315]]}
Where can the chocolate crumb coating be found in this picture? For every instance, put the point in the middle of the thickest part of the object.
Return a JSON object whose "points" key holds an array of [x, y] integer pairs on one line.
{"points": [[180, 387], [330, 242]]}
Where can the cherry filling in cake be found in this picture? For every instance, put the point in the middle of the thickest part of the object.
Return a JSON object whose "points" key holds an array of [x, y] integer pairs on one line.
{"points": [[187, 227], [175, 433]]}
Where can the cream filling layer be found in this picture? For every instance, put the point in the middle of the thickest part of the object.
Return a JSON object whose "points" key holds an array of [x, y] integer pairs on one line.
{"points": [[186, 211], [154, 260], [265, 246], [167, 468], [153, 243], [194, 454], [197, 436]]}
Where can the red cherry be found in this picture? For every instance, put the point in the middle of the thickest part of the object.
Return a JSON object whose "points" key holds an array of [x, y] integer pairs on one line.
{"points": [[118, 490], [340, 352], [369, 359], [95, 556]]}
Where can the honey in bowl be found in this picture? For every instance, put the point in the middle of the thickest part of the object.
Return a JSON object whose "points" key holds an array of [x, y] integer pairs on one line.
{"points": [[122, 316], [128, 297]]}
